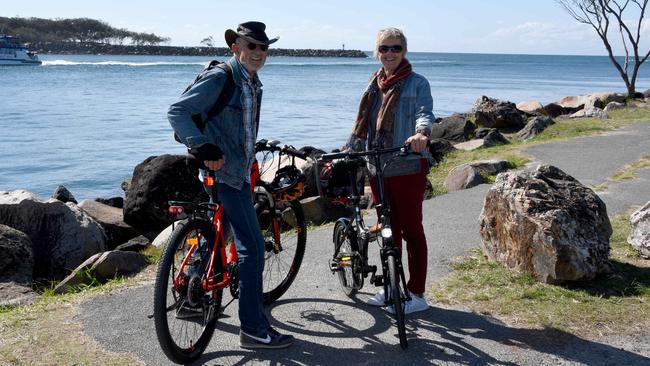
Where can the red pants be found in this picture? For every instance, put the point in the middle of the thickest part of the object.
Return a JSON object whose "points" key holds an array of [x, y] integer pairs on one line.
{"points": [[405, 194]]}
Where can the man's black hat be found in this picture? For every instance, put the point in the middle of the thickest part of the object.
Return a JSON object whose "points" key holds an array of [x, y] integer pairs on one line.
{"points": [[253, 32]]}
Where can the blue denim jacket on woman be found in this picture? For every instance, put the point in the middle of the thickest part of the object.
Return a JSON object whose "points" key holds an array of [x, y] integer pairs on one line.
{"points": [[225, 130], [413, 114]]}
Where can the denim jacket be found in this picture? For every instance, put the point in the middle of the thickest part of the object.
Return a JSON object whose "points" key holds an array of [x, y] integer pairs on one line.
{"points": [[225, 130], [413, 114]]}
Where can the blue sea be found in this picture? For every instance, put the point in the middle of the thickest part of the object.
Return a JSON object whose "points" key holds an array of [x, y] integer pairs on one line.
{"points": [[85, 121]]}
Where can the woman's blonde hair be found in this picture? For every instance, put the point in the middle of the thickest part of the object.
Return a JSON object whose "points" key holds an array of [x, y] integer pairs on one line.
{"points": [[391, 32]]}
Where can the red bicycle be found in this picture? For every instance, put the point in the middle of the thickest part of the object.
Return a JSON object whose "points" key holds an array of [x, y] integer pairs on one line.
{"points": [[199, 261]]}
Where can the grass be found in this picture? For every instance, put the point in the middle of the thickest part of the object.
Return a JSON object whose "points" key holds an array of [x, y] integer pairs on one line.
{"points": [[629, 171], [32, 335], [563, 129], [618, 303]]}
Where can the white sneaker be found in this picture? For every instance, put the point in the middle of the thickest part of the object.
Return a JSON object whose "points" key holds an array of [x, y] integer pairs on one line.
{"points": [[378, 300], [413, 306]]}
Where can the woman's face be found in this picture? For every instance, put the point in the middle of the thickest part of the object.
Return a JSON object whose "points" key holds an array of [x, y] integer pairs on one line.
{"points": [[391, 53]]}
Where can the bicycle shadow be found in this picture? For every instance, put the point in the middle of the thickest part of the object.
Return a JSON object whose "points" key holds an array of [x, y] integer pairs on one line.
{"points": [[435, 336]]}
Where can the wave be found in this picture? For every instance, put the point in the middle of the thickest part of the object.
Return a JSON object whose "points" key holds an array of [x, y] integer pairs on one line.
{"points": [[119, 63]]}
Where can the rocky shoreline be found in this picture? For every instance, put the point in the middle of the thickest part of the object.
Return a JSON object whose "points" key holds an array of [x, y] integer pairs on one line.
{"points": [[45, 240], [109, 49]]}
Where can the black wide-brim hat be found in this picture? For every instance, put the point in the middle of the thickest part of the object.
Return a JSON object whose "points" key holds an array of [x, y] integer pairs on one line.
{"points": [[253, 32]]}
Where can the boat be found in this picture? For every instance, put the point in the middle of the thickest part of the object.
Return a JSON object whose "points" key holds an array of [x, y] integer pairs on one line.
{"points": [[12, 52]]}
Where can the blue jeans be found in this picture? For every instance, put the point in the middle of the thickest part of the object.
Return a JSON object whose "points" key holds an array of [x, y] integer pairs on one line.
{"points": [[240, 213]]}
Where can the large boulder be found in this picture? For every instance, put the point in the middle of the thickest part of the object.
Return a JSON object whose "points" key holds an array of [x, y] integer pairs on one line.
{"points": [[111, 219], [453, 128], [102, 267], [491, 137], [555, 110], [62, 235], [534, 127], [639, 236], [591, 112], [16, 258], [611, 106], [156, 181], [495, 113], [544, 222], [63, 194], [594, 100], [472, 174]]}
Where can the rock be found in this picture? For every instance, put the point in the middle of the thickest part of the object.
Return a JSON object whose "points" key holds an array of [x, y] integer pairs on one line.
{"points": [[309, 168], [591, 112], [62, 235], [494, 113], [314, 210], [613, 106], [137, 244], [639, 236], [102, 267], [491, 137], [160, 241], [156, 181], [16, 257], [113, 201], [439, 148], [62, 194], [531, 107], [534, 127], [454, 128], [646, 93], [12, 294], [110, 218], [469, 175], [594, 100], [470, 145], [555, 110], [544, 222]]}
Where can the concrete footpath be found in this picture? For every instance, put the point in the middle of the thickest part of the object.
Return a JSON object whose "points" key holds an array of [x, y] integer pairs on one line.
{"points": [[333, 329]]}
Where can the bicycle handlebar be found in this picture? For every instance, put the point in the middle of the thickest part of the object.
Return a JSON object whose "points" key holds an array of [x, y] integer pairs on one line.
{"points": [[405, 149], [264, 145]]}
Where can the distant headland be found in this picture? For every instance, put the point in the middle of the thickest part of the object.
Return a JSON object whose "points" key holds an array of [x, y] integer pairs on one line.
{"points": [[92, 37], [67, 48]]}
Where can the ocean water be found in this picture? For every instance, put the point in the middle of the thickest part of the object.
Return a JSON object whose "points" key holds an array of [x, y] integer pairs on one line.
{"points": [[86, 121]]}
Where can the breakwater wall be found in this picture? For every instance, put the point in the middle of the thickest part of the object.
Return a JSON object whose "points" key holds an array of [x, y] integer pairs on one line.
{"points": [[109, 49]]}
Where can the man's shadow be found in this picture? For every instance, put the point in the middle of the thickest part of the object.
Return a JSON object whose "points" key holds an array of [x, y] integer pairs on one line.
{"points": [[435, 336]]}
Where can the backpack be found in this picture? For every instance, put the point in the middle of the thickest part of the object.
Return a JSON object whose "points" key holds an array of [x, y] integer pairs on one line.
{"points": [[222, 100]]}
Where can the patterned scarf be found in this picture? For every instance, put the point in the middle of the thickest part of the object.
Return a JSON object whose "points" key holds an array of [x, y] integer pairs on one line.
{"points": [[390, 86]]}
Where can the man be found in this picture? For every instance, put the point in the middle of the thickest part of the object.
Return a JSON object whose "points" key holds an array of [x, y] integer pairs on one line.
{"points": [[227, 145]]}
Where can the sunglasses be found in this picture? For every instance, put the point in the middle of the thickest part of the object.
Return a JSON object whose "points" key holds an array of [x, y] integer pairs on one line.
{"points": [[394, 48], [253, 46]]}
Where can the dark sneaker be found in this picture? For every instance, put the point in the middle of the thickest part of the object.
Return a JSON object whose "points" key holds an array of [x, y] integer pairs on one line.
{"points": [[273, 340]]}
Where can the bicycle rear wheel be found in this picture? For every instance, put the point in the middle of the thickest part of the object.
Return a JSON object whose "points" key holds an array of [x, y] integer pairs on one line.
{"points": [[285, 236], [397, 297], [350, 273], [185, 315]]}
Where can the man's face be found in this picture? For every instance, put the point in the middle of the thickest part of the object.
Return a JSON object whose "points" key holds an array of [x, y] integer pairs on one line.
{"points": [[252, 60]]}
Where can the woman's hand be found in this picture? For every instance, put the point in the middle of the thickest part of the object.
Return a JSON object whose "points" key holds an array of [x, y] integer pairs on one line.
{"points": [[418, 142]]}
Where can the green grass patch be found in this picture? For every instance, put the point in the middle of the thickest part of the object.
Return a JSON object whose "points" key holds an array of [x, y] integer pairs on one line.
{"points": [[629, 171], [616, 303]]}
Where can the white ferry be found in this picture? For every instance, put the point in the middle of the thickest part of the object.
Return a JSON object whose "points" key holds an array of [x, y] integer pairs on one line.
{"points": [[14, 53]]}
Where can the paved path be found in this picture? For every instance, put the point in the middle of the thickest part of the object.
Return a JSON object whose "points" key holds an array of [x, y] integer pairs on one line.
{"points": [[335, 330]]}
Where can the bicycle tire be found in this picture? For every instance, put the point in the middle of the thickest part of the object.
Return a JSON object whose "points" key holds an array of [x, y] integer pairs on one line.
{"points": [[350, 283], [281, 266], [397, 299], [201, 319]]}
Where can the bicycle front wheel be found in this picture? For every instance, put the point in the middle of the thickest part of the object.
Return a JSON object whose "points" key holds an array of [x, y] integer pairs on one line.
{"points": [[184, 314], [285, 236], [397, 298]]}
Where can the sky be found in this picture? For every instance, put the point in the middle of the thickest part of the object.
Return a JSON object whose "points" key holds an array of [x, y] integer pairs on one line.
{"points": [[467, 26]]}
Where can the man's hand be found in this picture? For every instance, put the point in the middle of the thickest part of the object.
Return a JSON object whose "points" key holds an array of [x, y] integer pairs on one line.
{"points": [[418, 142], [214, 164]]}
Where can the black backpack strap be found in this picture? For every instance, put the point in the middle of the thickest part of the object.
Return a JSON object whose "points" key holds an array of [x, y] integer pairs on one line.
{"points": [[226, 92]]}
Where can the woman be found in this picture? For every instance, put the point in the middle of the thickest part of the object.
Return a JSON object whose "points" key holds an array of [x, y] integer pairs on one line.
{"points": [[396, 109]]}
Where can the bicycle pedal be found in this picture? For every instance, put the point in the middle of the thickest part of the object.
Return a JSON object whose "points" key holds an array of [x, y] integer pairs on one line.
{"points": [[369, 269], [334, 266], [377, 280]]}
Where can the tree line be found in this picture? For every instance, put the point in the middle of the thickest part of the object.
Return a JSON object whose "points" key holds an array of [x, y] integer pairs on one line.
{"points": [[75, 30]]}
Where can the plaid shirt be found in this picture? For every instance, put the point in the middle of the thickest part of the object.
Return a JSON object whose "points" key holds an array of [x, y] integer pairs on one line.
{"points": [[251, 87]]}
